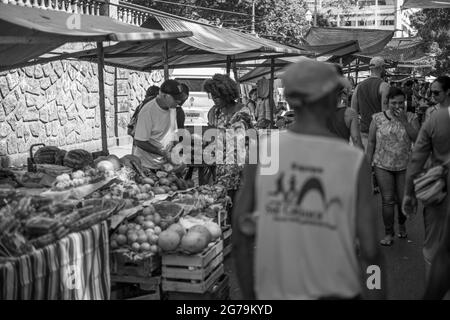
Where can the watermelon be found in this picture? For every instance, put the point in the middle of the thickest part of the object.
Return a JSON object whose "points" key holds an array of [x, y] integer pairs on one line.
{"points": [[78, 159], [46, 155]]}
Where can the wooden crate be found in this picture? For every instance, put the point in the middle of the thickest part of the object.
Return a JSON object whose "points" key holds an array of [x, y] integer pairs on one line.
{"points": [[125, 289], [226, 237], [193, 274], [121, 265], [219, 291]]}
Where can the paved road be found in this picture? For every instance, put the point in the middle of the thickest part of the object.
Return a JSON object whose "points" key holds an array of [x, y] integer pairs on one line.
{"points": [[404, 264]]}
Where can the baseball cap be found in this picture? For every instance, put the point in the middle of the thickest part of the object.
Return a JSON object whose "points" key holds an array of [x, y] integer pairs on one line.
{"points": [[312, 79], [376, 62], [173, 88]]}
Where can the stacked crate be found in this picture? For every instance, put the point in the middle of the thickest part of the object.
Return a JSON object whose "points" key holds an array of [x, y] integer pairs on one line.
{"points": [[135, 279], [194, 274]]}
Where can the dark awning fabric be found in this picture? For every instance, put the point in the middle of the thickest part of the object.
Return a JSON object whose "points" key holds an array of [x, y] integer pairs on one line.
{"points": [[27, 33], [338, 50], [426, 4], [370, 41], [209, 45]]}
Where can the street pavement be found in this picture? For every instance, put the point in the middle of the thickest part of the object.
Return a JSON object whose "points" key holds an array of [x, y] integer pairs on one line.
{"points": [[404, 266]]}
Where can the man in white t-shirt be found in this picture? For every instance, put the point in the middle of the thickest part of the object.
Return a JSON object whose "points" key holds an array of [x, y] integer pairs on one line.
{"points": [[154, 123], [308, 217]]}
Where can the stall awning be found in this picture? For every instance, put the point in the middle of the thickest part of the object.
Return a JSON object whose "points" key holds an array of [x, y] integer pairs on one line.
{"points": [[370, 41], [209, 45], [426, 4], [27, 33]]}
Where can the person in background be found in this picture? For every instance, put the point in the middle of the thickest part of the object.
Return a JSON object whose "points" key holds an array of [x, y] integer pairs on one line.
{"points": [[433, 140], [391, 135], [303, 251], [251, 103], [263, 100], [411, 100], [440, 93], [181, 117], [344, 122], [370, 96], [154, 123], [152, 93]]}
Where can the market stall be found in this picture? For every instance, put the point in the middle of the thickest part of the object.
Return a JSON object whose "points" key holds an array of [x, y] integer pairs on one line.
{"points": [[54, 236]]}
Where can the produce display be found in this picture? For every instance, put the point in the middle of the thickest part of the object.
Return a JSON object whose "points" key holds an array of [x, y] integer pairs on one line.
{"points": [[31, 222], [159, 228], [76, 179]]}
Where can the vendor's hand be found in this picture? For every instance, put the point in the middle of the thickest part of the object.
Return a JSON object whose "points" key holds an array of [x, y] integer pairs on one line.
{"points": [[400, 114], [409, 206]]}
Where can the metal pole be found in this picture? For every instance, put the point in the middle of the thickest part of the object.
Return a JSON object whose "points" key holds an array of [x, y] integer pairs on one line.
{"points": [[315, 13], [253, 17], [228, 65], [101, 91], [236, 78], [271, 86], [357, 69], [166, 60]]}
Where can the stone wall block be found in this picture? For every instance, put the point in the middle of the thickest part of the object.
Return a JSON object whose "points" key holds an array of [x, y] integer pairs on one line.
{"points": [[13, 80], [5, 130], [29, 71], [48, 69], [58, 68], [38, 72], [71, 138], [45, 83], [71, 112], [61, 140], [11, 144], [62, 115], [55, 128], [44, 115], [53, 111], [32, 114], [9, 104], [12, 121], [36, 128], [20, 129], [4, 89]]}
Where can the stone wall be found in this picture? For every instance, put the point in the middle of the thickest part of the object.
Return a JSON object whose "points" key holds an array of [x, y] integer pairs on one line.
{"points": [[57, 104]]}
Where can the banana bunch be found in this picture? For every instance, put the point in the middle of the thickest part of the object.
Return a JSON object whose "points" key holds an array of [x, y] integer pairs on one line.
{"points": [[430, 187]]}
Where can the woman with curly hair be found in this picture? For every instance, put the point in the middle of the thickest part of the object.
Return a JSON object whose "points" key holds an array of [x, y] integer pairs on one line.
{"points": [[227, 113]]}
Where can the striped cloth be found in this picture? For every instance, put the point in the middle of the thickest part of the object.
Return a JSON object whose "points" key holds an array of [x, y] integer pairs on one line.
{"points": [[74, 268]]}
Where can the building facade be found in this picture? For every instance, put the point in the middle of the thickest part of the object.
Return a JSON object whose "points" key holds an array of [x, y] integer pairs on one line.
{"points": [[369, 14]]}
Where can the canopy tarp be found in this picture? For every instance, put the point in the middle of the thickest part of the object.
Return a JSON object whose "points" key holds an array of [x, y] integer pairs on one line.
{"points": [[403, 49], [209, 45], [28, 33], [426, 4], [320, 51], [370, 41]]}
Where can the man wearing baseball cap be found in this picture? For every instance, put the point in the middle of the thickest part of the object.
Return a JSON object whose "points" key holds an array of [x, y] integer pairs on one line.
{"points": [[370, 96], [156, 120], [311, 212]]}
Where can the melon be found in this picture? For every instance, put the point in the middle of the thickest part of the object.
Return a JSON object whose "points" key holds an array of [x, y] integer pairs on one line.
{"points": [[78, 159], [214, 230], [178, 228], [168, 240], [105, 166], [46, 155], [194, 242], [202, 230], [115, 161]]}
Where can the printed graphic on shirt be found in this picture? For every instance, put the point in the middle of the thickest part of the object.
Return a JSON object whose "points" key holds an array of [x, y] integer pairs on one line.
{"points": [[303, 203]]}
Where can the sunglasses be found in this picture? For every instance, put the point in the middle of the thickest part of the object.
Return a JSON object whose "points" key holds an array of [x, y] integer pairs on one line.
{"points": [[436, 93]]}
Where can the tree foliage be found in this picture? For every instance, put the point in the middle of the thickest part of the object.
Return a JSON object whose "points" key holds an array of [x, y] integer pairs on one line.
{"points": [[434, 28], [282, 20]]}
